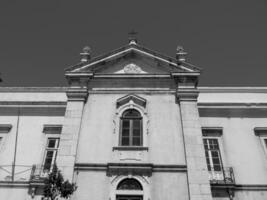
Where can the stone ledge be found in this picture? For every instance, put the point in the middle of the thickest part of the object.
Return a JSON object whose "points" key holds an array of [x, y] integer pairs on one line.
{"points": [[130, 148]]}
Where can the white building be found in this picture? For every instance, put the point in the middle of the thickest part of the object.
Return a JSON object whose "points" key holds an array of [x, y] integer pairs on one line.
{"points": [[134, 125]]}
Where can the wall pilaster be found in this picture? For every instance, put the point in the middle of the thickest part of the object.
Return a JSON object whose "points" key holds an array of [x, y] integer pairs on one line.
{"points": [[77, 97], [197, 173]]}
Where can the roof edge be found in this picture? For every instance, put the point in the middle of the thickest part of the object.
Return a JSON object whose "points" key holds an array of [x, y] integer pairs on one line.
{"points": [[233, 89], [34, 89]]}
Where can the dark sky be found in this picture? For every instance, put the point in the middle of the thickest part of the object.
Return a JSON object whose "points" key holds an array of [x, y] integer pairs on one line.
{"points": [[40, 38]]}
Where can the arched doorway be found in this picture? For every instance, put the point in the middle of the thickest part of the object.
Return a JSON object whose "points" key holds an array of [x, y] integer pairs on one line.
{"points": [[129, 189]]}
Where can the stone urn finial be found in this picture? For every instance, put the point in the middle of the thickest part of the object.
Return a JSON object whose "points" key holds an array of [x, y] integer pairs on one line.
{"points": [[86, 54]]}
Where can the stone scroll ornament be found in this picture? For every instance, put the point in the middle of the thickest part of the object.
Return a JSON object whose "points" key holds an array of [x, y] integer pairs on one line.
{"points": [[132, 69]]}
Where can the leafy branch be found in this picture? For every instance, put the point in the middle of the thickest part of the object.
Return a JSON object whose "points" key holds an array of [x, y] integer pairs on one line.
{"points": [[56, 186]]}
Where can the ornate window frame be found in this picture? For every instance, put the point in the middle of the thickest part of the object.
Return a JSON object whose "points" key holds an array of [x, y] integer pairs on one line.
{"points": [[130, 102]]}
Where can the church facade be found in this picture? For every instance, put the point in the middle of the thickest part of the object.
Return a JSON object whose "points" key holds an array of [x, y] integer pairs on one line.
{"points": [[133, 124]]}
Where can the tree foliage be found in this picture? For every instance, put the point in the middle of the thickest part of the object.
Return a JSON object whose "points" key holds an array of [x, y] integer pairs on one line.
{"points": [[56, 186]]}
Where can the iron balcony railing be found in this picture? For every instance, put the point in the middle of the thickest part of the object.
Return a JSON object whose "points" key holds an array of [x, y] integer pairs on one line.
{"points": [[39, 172], [22, 173], [11, 173], [225, 176]]}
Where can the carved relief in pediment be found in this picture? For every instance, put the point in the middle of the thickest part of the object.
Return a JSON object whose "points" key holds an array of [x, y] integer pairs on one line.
{"points": [[131, 69]]}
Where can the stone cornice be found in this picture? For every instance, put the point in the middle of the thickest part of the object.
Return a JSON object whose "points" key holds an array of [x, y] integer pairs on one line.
{"points": [[187, 94], [77, 94], [142, 169], [212, 131], [232, 89], [260, 131], [16, 184], [231, 105], [52, 129], [32, 103], [34, 89], [5, 128], [128, 167], [224, 110], [132, 76], [244, 187]]}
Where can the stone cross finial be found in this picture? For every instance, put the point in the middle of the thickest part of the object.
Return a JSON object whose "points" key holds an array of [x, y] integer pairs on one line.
{"points": [[180, 54], [132, 37], [86, 54]]}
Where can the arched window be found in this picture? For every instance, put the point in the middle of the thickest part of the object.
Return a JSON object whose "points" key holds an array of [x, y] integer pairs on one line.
{"points": [[131, 128], [129, 184]]}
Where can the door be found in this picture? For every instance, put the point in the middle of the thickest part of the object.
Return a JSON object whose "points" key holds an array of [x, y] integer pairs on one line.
{"points": [[129, 197]]}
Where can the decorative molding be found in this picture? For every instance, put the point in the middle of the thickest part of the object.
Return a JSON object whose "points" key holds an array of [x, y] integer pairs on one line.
{"points": [[187, 95], [235, 187], [212, 131], [77, 94], [33, 110], [130, 148], [125, 103], [16, 184], [132, 76], [231, 105], [169, 168], [90, 167], [251, 187], [132, 90], [127, 167], [52, 129], [34, 89], [260, 131], [186, 81], [133, 48], [131, 97], [5, 128], [144, 169], [132, 69], [232, 89], [33, 103]]}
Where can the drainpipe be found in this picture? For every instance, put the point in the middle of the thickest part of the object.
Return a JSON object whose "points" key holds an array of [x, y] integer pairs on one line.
{"points": [[16, 142]]}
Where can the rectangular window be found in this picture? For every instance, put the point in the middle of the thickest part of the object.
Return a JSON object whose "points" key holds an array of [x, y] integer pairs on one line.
{"points": [[261, 132], [131, 132], [50, 154], [212, 153]]}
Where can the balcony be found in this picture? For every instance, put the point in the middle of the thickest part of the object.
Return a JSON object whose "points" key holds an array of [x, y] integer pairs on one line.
{"points": [[39, 172], [15, 173], [22, 173], [224, 177]]}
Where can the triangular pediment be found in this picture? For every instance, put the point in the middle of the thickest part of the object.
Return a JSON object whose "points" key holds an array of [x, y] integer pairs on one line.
{"points": [[132, 59]]}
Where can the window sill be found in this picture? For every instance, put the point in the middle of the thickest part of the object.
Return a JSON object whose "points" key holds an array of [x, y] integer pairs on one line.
{"points": [[130, 148]]}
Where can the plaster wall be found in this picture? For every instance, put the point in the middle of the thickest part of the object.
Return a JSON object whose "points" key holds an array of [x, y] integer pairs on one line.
{"points": [[32, 96], [14, 193], [164, 135], [169, 186], [92, 185], [31, 140], [31, 143], [237, 97], [96, 185], [250, 195], [240, 148]]}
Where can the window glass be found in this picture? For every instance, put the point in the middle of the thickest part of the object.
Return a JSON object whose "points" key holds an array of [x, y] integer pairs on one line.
{"points": [[50, 153], [212, 154], [129, 184], [131, 128]]}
